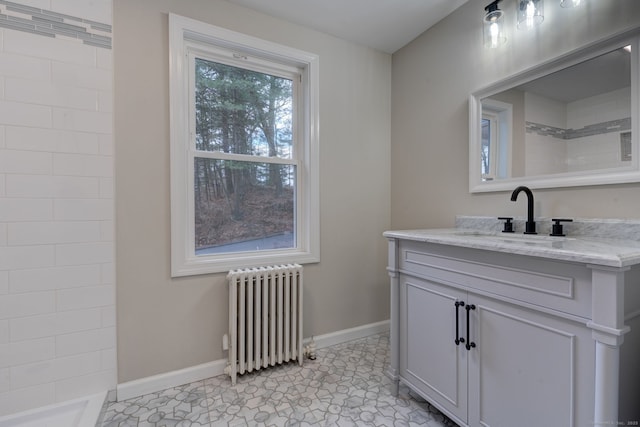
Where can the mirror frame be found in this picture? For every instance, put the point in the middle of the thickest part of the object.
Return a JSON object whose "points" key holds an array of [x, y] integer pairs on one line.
{"points": [[569, 179]]}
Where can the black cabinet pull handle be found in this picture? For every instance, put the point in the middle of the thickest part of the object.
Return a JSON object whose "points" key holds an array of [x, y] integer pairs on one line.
{"points": [[469, 344], [459, 339]]}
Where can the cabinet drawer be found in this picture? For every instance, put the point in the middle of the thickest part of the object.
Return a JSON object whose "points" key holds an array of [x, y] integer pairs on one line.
{"points": [[560, 286]]}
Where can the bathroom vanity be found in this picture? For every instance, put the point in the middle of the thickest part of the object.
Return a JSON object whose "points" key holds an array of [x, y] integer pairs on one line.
{"points": [[499, 329]]}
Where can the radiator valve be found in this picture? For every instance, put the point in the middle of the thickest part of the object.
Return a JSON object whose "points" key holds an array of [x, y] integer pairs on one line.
{"points": [[310, 349]]}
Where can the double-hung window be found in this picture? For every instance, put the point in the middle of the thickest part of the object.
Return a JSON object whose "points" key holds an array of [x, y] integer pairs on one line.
{"points": [[244, 151]]}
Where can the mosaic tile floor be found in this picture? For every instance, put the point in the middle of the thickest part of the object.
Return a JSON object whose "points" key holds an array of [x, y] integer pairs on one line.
{"points": [[344, 386]]}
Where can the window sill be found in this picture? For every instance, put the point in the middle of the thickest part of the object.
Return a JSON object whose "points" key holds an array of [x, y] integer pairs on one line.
{"points": [[223, 263]]}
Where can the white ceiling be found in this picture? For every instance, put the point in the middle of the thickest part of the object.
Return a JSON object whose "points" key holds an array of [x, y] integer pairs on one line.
{"points": [[602, 74], [386, 25]]}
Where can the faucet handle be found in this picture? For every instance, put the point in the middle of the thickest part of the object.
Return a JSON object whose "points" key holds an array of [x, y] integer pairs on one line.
{"points": [[508, 225], [556, 228]]}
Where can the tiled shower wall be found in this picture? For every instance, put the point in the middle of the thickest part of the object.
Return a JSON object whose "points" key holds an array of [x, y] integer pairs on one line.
{"points": [[582, 135], [57, 290]]}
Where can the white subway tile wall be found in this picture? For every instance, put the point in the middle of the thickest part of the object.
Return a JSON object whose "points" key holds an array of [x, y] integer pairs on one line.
{"points": [[57, 273], [585, 133]]}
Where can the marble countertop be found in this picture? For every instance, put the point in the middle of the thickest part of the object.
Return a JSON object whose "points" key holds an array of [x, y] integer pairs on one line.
{"points": [[579, 249]]}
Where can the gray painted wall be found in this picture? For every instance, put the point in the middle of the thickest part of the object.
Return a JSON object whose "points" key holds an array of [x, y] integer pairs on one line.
{"points": [[166, 324]]}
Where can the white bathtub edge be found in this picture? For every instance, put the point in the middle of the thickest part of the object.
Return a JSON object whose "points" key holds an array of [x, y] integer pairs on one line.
{"points": [[91, 407]]}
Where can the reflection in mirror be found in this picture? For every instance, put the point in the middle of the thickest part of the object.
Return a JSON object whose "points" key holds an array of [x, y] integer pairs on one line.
{"points": [[575, 119], [570, 127], [496, 125]]}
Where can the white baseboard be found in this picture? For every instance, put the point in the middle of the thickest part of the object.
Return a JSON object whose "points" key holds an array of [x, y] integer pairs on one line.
{"points": [[350, 334], [160, 382]]}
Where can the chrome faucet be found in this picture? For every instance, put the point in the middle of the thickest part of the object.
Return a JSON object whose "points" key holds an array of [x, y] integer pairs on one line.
{"points": [[530, 226]]}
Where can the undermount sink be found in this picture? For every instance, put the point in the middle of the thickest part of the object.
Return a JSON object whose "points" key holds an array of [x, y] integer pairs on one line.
{"points": [[535, 240], [532, 237], [473, 233], [515, 238]]}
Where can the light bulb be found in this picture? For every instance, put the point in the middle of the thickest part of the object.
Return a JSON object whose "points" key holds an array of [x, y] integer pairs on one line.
{"points": [[531, 11], [570, 3], [493, 26], [494, 30]]}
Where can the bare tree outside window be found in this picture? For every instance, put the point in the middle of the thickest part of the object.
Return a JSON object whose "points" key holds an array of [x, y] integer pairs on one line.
{"points": [[246, 201]]}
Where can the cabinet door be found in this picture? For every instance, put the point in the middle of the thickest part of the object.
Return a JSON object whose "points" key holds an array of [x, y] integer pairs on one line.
{"points": [[430, 361], [528, 368]]}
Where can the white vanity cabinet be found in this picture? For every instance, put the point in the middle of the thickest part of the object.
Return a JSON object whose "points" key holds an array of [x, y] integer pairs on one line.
{"points": [[530, 346], [520, 362]]}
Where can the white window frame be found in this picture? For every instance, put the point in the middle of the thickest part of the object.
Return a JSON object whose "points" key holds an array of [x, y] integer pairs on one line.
{"points": [[186, 37]]}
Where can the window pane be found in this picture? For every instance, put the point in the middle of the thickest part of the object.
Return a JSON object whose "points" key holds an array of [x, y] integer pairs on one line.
{"points": [[243, 206], [485, 151], [241, 111]]}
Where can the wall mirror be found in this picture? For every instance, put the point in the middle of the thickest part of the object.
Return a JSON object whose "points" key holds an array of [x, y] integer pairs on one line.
{"points": [[568, 122]]}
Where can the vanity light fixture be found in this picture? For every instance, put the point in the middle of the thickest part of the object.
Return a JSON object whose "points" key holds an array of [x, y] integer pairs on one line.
{"points": [[493, 31], [530, 13], [570, 3]]}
